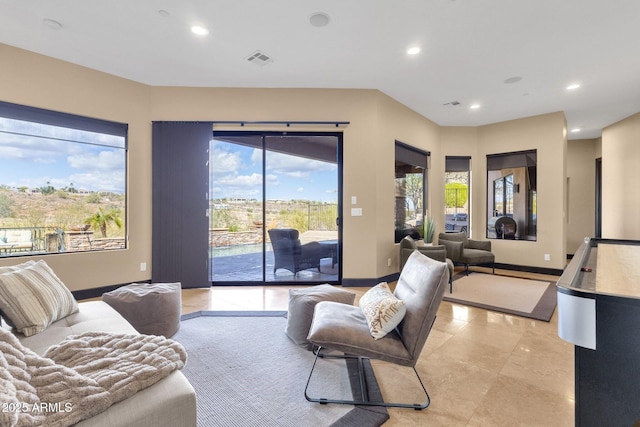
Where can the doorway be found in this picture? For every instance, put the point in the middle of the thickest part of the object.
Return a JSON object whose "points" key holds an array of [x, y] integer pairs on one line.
{"points": [[274, 207]]}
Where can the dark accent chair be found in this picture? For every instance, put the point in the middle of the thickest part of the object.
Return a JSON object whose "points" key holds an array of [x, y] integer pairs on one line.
{"points": [[290, 254], [437, 252], [341, 330], [463, 250]]}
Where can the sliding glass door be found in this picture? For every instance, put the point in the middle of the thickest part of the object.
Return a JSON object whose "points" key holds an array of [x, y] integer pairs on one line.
{"points": [[274, 207]]}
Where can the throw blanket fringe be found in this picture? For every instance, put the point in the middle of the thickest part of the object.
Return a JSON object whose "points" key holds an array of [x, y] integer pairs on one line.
{"points": [[80, 377]]}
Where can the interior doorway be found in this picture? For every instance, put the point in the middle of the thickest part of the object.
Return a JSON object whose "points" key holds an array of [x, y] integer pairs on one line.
{"points": [[274, 207]]}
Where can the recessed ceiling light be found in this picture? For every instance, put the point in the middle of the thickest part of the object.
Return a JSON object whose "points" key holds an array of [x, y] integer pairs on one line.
{"points": [[319, 19], [199, 30], [163, 13], [413, 50], [573, 86], [575, 130], [52, 23], [474, 106]]}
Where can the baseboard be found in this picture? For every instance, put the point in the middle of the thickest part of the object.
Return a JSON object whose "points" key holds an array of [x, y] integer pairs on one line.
{"points": [[368, 282], [97, 292], [530, 269]]}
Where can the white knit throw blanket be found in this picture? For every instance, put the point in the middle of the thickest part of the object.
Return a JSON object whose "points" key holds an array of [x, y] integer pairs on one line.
{"points": [[80, 377]]}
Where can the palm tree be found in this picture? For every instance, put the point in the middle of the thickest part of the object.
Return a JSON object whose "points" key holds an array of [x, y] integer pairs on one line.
{"points": [[101, 219]]}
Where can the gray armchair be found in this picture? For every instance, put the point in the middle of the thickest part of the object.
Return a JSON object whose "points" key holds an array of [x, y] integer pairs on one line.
{"points": [[463, 250], [341, 330], [437, 252]]}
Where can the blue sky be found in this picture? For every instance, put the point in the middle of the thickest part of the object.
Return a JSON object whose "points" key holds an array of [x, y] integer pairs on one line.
{"points": [[33, 155], [237, 173]]}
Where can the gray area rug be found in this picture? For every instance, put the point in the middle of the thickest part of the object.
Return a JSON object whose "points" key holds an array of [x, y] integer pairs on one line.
{"points": [[534, 299], [246, 372]]}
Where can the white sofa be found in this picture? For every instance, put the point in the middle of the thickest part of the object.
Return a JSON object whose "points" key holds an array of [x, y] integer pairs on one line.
{"points": [[170, 402]]}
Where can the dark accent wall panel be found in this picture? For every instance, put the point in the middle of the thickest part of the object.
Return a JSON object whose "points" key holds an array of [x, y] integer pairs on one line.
{"points": [[180, 154]]}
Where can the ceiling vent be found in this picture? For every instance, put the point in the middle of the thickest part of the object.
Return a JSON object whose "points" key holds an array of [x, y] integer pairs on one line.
{"points": [[451, 104], [259, 58]]}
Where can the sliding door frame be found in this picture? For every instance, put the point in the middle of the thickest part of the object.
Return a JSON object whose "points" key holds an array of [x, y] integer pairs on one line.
{"points": [[339, 159]]}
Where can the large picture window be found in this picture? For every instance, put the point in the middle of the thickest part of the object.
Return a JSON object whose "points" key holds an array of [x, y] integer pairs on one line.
{"points": [[512, 201], [410, 191], [62, 182]]}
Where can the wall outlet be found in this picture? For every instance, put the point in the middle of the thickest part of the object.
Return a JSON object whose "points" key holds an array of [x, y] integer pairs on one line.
{"points": [[547, 257], [388, 262], [143, 266]]}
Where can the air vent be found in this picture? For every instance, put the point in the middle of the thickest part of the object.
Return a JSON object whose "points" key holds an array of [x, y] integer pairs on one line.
{"points": [[259, 58], [451, 104]]}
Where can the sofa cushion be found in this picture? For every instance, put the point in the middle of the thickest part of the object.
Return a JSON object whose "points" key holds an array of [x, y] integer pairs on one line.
{"points": [[382, 310], [33, 297]]}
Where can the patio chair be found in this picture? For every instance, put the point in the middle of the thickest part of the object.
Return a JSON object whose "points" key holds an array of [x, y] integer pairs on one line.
{"points": [[290, 254], [344, 329]]}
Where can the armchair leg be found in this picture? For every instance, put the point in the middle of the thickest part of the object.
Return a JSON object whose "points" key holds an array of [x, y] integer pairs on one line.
{"points": [[364, 394]]}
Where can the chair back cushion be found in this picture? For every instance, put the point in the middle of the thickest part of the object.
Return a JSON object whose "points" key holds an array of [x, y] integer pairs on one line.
{"points": [[456, 237], [421, 286]]}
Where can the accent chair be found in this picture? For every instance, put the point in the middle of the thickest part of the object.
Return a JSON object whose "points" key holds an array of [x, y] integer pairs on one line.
{"points": [[463, 250]]}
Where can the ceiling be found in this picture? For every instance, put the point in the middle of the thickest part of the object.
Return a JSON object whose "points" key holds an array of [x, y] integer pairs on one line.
{"points": [[471, 50]]}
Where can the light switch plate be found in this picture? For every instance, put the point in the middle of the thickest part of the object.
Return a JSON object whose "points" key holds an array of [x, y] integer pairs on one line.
{"points": [[356, 211]]}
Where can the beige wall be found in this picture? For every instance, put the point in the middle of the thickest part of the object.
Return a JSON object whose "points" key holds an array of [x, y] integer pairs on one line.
{"points": [[621, 179], [35, 80], [545, 133], [581, 176], [376, 121]]}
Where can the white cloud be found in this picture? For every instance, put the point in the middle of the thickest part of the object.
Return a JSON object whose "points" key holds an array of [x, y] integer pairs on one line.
{"points": [[295, 166], [103, 160]]}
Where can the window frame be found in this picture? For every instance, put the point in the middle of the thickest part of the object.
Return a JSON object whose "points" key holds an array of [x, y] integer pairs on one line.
{"points": [[416, 159]]}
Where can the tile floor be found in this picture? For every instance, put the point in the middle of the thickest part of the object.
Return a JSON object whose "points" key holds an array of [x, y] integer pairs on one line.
{"points": [[481, 368]]}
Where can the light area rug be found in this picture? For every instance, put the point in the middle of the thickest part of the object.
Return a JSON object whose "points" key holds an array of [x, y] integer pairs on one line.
{"points": [[529, 298], [246, 372]]}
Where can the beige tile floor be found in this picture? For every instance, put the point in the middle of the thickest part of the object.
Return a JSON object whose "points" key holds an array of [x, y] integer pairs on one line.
{"points": [[481, 368]]}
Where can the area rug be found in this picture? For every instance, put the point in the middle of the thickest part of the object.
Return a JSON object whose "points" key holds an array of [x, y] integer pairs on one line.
{"points": [[534, 299], [246, 372]]}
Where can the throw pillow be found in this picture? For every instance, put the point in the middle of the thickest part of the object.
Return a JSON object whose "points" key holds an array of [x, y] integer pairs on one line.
{"points": [[382, 310], [33, 297], [13, 268]]}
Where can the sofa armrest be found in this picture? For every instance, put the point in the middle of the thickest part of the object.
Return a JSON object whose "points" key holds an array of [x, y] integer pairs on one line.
{"points": [[484, 245]]}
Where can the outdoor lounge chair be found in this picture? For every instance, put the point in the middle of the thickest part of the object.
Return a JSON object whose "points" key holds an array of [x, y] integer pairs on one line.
{"points": [[290, 254]]}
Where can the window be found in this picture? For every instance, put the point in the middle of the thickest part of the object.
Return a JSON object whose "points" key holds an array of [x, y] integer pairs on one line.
{"points": [[457, 183], [62, 182], [410, 191], [512, 198]]}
